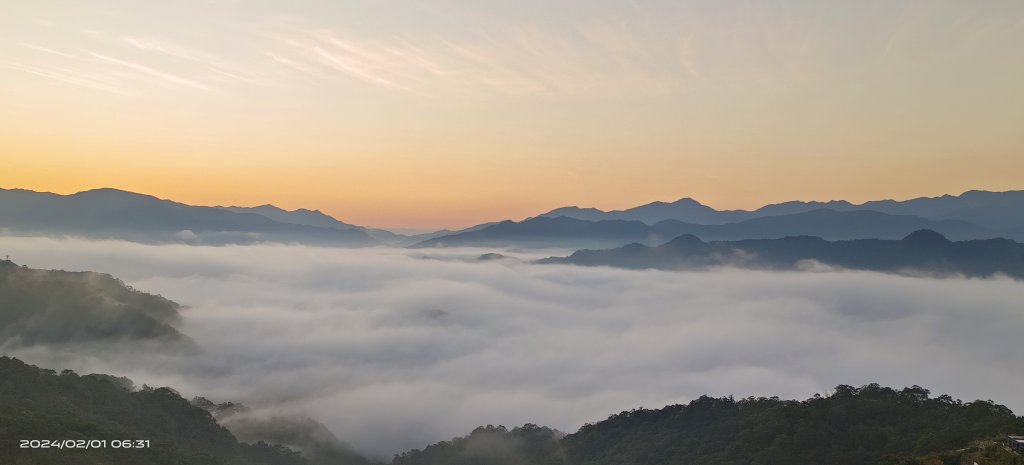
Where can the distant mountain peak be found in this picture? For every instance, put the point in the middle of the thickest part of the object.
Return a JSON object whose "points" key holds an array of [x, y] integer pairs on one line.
{"points": [[684, 240], [926, 236], [687, 201], [110, 191]]}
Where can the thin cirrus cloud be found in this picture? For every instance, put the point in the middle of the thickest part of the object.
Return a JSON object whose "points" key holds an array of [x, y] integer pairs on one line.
{"points": [[519, 60], [131, 66], [164, 76], [206, 60], [600, 56], [101, 71], [642, 50], [67, 76], [47, 50]]}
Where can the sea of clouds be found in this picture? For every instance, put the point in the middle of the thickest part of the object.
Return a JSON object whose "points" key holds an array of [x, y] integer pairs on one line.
{"points": [[394, 349]]}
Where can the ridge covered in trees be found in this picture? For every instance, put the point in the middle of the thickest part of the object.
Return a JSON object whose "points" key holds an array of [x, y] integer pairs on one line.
{"points": [[870, 425], [55, 307], [41, 404], [853, 426]]}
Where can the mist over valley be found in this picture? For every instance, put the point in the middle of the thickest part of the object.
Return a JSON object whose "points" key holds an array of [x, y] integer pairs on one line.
{"points": [[393, 349]]}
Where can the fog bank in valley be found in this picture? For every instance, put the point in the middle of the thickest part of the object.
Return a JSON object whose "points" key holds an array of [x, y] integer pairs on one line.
{"points": [[394, 349]]}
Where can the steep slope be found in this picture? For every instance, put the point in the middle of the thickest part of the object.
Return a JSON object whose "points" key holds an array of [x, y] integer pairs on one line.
{"points": [[301, 216], [43, 405], [59, 307], [319, 219], [310, 438]]}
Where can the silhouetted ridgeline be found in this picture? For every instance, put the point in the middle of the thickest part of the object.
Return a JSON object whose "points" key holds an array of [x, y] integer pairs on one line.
{"points": [[993, 210], [925, 252], [116, 214], [318, 219], [828, 224], [58, 307]]}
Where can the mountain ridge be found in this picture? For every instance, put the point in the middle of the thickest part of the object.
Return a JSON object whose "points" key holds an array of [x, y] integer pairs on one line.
{"points": [[117, 214], [571, 232], [922, 252], [992, 209]]}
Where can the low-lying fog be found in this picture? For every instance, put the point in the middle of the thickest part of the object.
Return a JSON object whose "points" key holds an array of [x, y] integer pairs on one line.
{"points": [[395, 349]]}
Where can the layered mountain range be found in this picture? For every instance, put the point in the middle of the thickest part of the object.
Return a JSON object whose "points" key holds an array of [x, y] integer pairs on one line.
{"points": [[994, 210], [923, 252], [971, 215], [116, 214]]}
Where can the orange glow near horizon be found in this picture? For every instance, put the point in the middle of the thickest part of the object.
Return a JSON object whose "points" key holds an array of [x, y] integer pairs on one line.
{"points": [[418, 115]]}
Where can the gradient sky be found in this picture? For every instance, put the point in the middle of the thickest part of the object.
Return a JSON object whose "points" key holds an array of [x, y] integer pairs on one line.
{"points": [[444, 113]]}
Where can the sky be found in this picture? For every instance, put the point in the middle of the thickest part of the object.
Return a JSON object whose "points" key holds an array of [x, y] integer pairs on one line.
{"points": [[395, 349], [445, 113]]}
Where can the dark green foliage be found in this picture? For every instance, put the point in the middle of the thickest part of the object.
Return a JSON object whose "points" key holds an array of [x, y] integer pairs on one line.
{"points": [[40, 404], [981, 452], [871, 425], [59, 307], [312, 439], [491, 445], [220, 410], [851, 427]]}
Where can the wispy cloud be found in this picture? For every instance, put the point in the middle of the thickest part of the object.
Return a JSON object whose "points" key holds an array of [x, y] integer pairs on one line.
{"points": [[75, 78], [46, 50], [686, 60], [208, 61], [294, 65], [164, 76], [353, 67], [601, 57]]}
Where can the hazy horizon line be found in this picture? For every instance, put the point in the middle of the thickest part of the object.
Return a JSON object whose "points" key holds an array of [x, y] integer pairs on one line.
{"points": [[412, 230]]}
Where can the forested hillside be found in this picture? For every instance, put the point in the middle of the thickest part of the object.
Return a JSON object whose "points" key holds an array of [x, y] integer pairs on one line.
{"points": [[492, 445], [55, 307], [871, 425], [40, 404], [864, 426]]}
